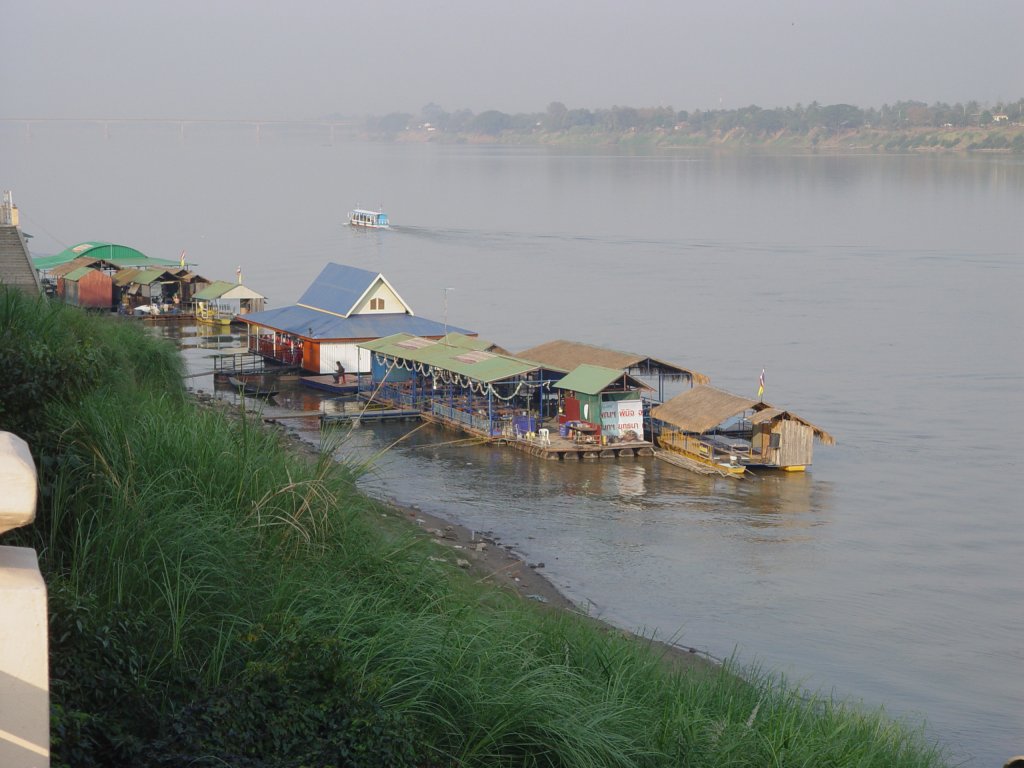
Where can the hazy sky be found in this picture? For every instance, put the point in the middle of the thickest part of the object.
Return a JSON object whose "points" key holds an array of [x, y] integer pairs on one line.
{"points": [[308, 58]]}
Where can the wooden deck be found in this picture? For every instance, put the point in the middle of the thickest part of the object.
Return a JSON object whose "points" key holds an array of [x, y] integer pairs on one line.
{"points": [[372, 414]]}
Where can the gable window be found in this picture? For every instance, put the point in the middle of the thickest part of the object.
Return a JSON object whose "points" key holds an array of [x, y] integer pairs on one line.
{"points": [[376, 303]]}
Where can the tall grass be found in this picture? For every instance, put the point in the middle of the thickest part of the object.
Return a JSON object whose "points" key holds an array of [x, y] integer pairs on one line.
{"points": [[232, 574]]}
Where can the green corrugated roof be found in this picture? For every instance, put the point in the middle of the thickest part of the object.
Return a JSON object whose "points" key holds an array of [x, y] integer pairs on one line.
{"points": [[467, 342], [214, 290], [485, 367], [148, 276], [589, 379], [119, 255], [77, 274], [594, 379]]}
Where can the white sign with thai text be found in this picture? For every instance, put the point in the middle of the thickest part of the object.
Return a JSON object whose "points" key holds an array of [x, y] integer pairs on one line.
{"points": [[623, 419]]}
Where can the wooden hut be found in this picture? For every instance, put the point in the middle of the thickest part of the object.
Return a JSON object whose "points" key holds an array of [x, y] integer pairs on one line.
{"points": [[719, 429]]}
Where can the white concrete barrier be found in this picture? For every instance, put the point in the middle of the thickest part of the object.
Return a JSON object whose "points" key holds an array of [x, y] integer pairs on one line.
{"points": [[24, 668]]}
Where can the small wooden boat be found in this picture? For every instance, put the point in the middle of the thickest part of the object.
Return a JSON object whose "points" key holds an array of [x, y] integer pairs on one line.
{"points": [[251, 388], [371, 219]]}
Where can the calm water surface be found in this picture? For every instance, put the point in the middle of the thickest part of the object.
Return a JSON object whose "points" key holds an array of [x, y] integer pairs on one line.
{"points": [[881, 294]]}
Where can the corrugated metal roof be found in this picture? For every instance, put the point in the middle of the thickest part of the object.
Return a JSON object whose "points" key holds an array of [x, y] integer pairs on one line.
{"points": [[309, 323], [147, 276], [239, 291], [338, 289], [117, 255], [214, 290], [471, 342], [77, 274], [124, 276], [570, 354], [593, 379], [478, 365]]}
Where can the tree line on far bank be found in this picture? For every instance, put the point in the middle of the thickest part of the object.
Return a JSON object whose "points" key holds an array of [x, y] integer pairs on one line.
{"points": [[797, 120]]}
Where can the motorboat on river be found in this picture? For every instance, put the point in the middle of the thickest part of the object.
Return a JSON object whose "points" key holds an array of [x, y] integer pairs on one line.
{"points": [[371, 219]]}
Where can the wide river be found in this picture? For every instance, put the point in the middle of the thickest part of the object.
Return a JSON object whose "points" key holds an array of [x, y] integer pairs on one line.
{"points": [[881, 295]]}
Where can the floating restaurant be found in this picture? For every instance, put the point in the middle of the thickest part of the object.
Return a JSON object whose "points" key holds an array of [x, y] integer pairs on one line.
{"points": [[458, 382]]}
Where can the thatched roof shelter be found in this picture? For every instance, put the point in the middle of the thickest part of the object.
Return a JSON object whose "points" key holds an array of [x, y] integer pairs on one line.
{"points": [[705, 407], [701, 408], [567, 355]]}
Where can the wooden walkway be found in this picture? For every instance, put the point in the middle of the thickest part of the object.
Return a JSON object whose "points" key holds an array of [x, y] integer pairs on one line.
{"points": [[556, 448], [369, 414]]}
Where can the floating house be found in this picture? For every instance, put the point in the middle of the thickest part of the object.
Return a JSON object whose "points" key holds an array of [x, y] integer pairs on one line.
{"points": [[710, 428], [601, 404], [344, 307], [220, 302], [570, 354]]}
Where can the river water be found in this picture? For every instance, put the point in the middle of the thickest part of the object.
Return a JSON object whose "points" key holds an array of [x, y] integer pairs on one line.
{"points": [[882, 296]]}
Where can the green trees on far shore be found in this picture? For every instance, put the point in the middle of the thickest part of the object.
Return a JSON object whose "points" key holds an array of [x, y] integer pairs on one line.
{"points": [[814, 122]]}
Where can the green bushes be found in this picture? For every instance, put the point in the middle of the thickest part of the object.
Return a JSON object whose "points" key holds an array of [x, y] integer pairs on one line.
{"points": [[218, 598]]}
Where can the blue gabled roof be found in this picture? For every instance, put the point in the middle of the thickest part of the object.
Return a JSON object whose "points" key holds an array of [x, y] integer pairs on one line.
{"points": [[309, 323], [337, 288]]}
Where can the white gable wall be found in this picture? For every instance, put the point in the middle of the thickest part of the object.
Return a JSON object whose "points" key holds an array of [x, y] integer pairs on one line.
{"points": [[381, 292]]}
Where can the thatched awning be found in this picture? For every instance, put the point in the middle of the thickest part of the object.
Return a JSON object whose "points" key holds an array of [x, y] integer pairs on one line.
{"points": [[771, 413], [701, 408], [567, 355]]}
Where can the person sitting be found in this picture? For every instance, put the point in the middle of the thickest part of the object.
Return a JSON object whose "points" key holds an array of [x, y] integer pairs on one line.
{"points": [[339, 373]]}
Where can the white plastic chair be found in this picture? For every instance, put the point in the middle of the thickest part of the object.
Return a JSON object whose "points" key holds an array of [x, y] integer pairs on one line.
{"points": [[544, 436]]}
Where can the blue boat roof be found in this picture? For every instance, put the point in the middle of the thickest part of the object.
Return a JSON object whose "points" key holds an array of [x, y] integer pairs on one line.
{"points": [[310, 323]]}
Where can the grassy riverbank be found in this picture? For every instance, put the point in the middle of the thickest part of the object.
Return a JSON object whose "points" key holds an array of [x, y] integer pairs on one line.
{"points": [[219, 598]]}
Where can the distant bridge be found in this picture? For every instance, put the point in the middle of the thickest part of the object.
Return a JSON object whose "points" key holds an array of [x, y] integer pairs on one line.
{"points": [[257, 124]]}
